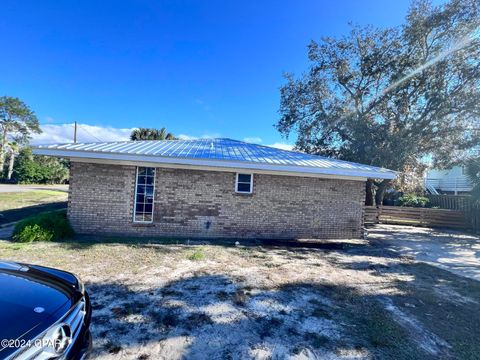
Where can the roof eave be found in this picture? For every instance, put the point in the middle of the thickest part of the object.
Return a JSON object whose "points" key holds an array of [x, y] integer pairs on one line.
{"points": [[294, 169]]}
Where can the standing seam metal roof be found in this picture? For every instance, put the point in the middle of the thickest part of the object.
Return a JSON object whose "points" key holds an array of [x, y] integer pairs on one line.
{"points": [[216, 149]]}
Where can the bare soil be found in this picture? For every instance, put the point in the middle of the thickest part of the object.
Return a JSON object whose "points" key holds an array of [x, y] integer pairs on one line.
{"points": [[350, 299]]}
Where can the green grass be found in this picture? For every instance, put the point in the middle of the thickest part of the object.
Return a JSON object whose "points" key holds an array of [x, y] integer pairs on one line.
{"points": [[197, 255], [16, 200], [20, 205]]}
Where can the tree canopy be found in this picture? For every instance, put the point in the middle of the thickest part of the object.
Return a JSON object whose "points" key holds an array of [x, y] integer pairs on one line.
{"points": [[17, 122], [38, 169], [391, 97], [151, 134]]}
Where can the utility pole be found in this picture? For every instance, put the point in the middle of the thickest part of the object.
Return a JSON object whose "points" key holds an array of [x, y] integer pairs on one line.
{"points": [[75, 133]]}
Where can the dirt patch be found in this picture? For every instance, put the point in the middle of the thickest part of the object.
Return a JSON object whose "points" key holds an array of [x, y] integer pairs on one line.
{"points": [[351, 300]]}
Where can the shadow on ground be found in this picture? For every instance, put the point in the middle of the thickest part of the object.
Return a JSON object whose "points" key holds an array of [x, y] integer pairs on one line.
{"points": [[265, 245], [164, 298], [13, 215], [219, 317]]}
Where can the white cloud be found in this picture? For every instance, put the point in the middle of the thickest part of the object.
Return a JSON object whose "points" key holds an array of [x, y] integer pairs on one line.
{"points": [[254, 140], [58, 134], [186, 137], [191, 137], [282, 146]]}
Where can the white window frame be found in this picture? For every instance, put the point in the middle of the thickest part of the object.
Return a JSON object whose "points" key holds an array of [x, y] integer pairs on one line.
{"points": [[251, 183], [135, 198]]}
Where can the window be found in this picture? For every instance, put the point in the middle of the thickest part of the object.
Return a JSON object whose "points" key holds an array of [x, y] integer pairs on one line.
{"points": [[244, 183], [144, 192]]}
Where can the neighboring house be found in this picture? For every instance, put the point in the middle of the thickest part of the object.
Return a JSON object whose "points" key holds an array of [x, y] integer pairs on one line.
{"points": [[451, 181], [212, 188]]}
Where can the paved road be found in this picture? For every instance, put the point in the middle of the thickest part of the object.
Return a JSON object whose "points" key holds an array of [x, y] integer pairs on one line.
{"points": [[4, 188], [450, 250], [6, 231]]}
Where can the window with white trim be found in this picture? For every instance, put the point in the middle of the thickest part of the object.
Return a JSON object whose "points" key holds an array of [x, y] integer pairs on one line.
{"points": [[244, 183], [144, 193]]}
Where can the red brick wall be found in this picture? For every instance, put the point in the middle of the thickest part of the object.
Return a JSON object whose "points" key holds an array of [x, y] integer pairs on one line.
{"points": [[193, 203]]}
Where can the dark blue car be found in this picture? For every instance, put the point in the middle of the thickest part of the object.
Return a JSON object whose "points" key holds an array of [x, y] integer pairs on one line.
{"points": [[44, 313]]}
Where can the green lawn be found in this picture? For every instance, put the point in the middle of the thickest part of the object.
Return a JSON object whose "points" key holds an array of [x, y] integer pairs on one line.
{"points": [[15, 206], [16, 200]]}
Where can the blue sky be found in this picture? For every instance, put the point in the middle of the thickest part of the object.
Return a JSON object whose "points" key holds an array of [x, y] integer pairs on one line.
{"points": [[199, 68]]}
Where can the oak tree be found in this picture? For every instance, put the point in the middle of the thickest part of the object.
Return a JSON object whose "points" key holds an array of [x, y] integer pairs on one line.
{"points": [[391, 97]]}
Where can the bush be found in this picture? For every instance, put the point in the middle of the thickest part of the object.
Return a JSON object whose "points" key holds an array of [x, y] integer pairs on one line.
{"points": [[48, 226], [412, 200], [34, 233]]}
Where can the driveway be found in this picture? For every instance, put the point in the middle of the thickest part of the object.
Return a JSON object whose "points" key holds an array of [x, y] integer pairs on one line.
{"points": [[454, 251], [9, 188]]}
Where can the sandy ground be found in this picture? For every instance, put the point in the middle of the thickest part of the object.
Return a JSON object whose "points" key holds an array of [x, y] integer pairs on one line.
{"points": [[350, 299], [450, 250]]}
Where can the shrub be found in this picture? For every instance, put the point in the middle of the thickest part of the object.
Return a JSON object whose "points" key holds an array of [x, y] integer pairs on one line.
{"points": [[34, 233], [48, 226], [412, 200]]}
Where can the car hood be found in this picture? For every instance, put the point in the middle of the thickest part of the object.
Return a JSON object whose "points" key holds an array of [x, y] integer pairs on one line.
{"points": [[31, 300]]}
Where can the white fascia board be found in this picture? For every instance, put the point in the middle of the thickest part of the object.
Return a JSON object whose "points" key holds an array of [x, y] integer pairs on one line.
{"points": [[132, 159]]}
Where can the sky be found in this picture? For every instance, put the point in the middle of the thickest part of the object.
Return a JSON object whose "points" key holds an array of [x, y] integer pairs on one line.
{"points": [[198, 68]]}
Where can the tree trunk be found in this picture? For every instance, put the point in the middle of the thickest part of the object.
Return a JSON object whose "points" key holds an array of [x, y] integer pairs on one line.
{"points": [[369, 193], [11, 161], [2, 150], [381, 187]]}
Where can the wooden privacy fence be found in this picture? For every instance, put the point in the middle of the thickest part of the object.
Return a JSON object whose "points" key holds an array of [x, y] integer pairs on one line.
{"points": [[370, 215], [453, 202], [462, 203], [475, 219], [398, 215]]}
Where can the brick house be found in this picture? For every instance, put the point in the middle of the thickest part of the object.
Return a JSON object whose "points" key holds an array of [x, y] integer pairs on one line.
{"points": [[212, 188]]}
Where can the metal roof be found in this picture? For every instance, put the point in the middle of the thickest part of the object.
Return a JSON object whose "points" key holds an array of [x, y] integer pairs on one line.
{"points": [[216, 153]]}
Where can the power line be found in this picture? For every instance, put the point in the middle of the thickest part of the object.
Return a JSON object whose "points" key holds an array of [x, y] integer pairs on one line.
{"points": [[61, 123], [89, 133]]}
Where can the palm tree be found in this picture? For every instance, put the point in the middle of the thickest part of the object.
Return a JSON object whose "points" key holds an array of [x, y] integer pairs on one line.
{"points": [[151, 134], [473, 173]]}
